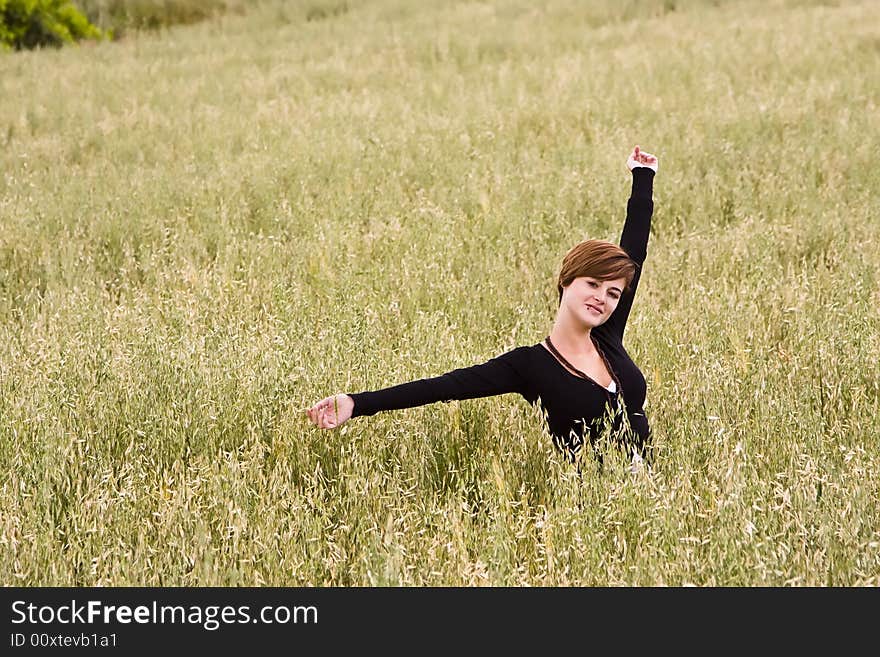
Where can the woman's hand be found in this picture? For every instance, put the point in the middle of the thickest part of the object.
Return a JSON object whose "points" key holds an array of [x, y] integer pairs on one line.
{"points": [[638, 158], [331, 412]]}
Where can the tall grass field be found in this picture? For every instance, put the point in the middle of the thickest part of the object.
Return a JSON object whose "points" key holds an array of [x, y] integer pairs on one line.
{"points": [[205, 229]]}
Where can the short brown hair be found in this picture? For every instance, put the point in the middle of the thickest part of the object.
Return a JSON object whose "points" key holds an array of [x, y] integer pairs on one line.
{"points": [[598, 259]]}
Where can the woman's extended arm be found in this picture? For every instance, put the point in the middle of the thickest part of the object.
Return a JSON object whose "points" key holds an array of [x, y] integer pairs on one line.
{"points": [[503, 374], [636, 228]]}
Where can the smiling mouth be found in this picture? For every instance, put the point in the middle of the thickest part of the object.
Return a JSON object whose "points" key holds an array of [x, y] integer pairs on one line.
{"points": [[594, 309]]}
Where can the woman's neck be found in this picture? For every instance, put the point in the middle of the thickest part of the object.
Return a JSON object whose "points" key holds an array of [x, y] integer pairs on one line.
{"points": [[571, 338]]}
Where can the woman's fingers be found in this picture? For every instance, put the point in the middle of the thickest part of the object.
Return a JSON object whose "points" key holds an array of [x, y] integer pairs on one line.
{"points": [[316, 412], [325, 413], [326, 417], [317, 417], [639, 158], [322, 415]]}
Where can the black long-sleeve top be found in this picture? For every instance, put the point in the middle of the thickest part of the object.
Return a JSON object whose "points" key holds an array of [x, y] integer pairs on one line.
{"points": [[577, 410]]}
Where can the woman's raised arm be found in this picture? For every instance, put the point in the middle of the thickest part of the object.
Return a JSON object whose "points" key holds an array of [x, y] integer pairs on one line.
{"points": [[636, 228]]}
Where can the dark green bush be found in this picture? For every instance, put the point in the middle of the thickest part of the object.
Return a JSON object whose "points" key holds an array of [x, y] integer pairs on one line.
{"points": [[36, 23]]}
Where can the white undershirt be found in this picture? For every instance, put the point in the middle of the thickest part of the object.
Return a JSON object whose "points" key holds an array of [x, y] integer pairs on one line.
{"points": [[612, 387]]}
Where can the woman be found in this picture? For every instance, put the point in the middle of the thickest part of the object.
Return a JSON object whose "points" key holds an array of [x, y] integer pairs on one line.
{"points": [[581, 374]]}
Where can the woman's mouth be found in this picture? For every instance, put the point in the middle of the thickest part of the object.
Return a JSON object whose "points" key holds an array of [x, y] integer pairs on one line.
{"points": [[594, 309]]}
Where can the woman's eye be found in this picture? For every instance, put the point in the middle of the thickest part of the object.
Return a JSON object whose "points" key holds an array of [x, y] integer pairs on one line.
{"points": [[592, 283]]}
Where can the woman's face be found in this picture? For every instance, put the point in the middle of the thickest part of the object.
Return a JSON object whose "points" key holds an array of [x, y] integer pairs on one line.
{"points": [[590, 300]]}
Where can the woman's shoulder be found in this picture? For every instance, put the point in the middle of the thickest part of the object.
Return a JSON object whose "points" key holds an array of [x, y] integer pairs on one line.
{"points": [[523, 356], [522, 352], [526, 364]]}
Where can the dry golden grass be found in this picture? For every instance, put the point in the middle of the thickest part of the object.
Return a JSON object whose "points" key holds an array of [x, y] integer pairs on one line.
{"points": [[206, 229]]}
